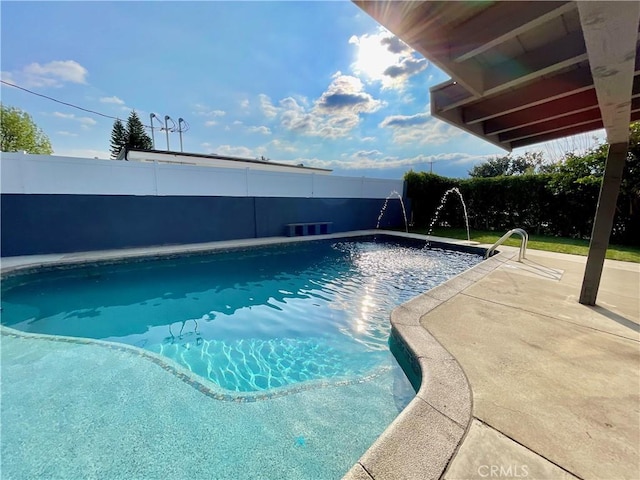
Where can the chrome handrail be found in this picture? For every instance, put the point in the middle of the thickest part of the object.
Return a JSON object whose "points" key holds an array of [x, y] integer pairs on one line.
{"points": [[502, 239]]}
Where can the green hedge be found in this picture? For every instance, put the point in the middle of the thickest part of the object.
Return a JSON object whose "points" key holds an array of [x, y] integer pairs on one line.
{"points": [[539, 203]]}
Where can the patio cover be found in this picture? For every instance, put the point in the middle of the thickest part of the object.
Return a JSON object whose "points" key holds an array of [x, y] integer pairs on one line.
{"points": [[529, 72]]}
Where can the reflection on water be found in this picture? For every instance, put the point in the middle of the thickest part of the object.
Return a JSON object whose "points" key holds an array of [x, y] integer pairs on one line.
{"points": [[247, 320]]}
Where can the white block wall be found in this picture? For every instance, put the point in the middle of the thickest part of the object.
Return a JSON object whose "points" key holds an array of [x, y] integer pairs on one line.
{"points": [[45, 174]]}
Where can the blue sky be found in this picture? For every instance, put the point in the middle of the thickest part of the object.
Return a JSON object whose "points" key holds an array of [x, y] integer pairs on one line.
{"points": [[318, 83]]}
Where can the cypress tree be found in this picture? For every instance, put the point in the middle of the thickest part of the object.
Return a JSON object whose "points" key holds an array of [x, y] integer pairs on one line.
{"points": [[136, 136], [118, 138]]}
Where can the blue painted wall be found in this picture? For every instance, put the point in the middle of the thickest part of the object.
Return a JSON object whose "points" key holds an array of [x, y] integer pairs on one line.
{"points": [[37, 224]]}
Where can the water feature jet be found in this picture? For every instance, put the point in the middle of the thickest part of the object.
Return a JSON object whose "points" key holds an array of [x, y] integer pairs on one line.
{"points": [[384, 209], [443, 201]]}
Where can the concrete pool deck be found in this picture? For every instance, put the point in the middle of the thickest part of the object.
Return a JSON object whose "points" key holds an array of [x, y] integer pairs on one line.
{"points": [[519, 379], [553, 386]]}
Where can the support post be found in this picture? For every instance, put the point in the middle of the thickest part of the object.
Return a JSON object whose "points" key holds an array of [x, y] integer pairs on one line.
{"points": [[603, 222]]}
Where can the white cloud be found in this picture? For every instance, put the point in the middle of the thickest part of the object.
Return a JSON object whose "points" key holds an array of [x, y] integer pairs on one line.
{"points": [[114, 100], [235, 151], [64, 133], [283, 146], [63, 115], [334, 114], [385, 58], [205, 111], [85, 121], [266, 106], [261, 129], [244, 104], [52, 74], [360, 161], [8, 77], [67, 70], [346, 94], [406, 121], [420, 129], [367, 154], [210, 123]]}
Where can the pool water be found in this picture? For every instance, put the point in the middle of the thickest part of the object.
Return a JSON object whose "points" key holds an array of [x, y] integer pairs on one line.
{"points": [[307, 320], [247, 320]]}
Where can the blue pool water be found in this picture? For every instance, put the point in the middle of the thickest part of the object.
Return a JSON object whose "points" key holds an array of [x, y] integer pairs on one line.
{"points": [[278, 319]]}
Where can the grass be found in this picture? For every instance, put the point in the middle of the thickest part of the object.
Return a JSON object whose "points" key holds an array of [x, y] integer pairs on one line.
{"points": [[572, 246]]}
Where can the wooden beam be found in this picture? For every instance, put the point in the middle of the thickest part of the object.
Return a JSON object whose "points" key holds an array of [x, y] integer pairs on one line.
{"points": [[537, 93], [500, 23], [453, 117], [589, 127], [542, 61], [560, 123], [576, 103], [566, 132], [445, 95]]}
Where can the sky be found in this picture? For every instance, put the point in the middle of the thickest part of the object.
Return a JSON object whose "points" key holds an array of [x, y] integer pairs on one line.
{"points": [[312, 82]]}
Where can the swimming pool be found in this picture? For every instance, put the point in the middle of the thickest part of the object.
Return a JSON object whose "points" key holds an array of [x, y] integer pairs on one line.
{"points": [[300, 329]]}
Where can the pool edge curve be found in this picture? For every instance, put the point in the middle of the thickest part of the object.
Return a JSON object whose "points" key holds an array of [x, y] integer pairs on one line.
{"points": [[423, 439]]}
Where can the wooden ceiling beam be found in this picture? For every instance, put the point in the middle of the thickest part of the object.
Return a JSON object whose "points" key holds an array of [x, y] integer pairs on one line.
{"points": [[537, 93], [576, 103], [567, 132], [560, 123], [532, 65], [501, 22]]}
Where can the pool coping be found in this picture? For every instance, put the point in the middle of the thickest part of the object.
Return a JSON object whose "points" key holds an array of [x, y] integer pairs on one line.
{"points": [[424, 437]]}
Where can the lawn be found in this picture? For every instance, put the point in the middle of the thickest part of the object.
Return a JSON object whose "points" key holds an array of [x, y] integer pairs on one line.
{"points": [[539, 242]]}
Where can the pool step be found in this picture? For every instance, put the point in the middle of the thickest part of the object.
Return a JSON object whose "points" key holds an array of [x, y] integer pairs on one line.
{"points": [[310, 228]]}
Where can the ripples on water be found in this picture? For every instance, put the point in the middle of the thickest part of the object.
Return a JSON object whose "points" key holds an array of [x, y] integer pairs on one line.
{"points": [[247, 320]]}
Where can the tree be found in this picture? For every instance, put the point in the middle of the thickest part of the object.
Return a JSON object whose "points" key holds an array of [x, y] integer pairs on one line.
{"points": [[136, 136], [118, 138], [631, 176], [19, 133], [508, 165], [131, 136]]}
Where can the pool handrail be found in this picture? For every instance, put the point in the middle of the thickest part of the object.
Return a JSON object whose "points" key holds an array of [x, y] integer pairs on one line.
{"points": [[502, 239]]}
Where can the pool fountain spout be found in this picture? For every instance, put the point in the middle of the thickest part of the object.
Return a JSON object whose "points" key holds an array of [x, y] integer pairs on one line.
{"points": [[384, 209], [443, 201]]}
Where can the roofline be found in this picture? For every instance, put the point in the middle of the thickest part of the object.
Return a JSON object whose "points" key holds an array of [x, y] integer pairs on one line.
{"points": [[123, 156]]}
